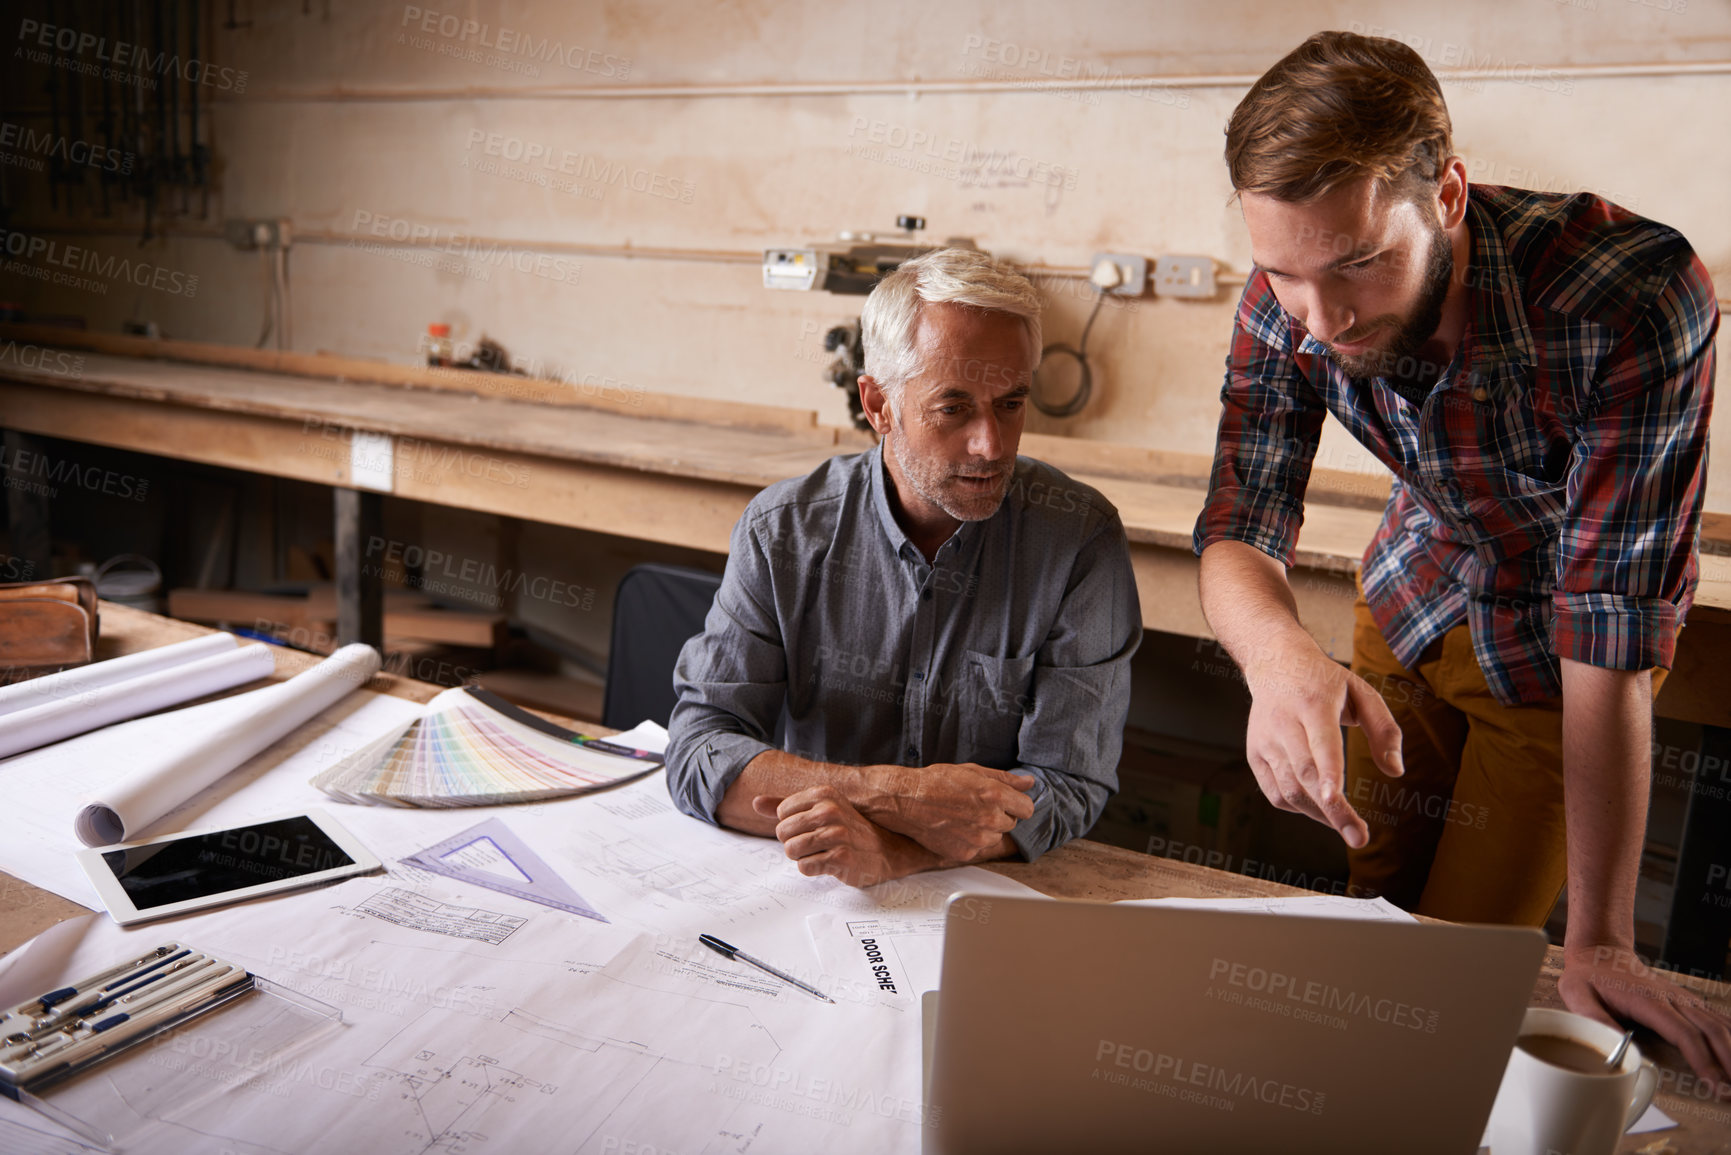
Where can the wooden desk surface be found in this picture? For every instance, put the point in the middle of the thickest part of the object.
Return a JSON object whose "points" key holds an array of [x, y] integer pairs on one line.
{"points": [[1080, 870]]}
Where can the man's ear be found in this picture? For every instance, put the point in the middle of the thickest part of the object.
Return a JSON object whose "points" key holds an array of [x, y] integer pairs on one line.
{"points": [[1452, 192], [876, 403]]}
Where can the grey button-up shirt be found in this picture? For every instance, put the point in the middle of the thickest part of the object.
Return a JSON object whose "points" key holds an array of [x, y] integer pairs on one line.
{"points": [[1010, 649]]}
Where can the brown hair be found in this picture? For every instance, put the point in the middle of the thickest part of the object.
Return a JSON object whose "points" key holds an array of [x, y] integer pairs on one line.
{"points": [[1337, 108]]}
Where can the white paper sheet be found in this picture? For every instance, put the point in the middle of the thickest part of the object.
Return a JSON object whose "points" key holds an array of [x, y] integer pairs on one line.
{"points": [[1377, 909], [21, 695], [893, 959], [1652, 1119], [39, 964], [76, 705], [646, 735], [213, 739]]}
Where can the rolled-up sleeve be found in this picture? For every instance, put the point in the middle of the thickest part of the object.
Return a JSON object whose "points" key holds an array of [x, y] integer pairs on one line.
{"points": [[731, 681], [1073, 730], [1626, 561], [1270, 424]]}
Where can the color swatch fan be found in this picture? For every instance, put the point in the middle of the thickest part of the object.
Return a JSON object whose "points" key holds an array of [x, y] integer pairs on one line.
{"points": [[473, 748]]}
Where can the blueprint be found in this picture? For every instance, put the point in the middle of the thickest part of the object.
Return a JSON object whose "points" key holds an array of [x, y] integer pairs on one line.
{"points": [[484, 1023]]}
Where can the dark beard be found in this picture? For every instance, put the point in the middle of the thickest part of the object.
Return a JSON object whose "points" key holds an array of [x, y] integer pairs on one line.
{"points": [[1406, 372]]}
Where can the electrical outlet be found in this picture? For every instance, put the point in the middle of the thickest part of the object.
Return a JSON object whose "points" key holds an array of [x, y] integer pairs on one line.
{"points": [[1178, 276], [256, 234], [1132, 274]]}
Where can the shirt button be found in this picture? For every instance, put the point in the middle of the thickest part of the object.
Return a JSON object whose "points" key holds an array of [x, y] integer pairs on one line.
{"points": [[911, 752], [927, 595], [919, 675], [1481, 394]]}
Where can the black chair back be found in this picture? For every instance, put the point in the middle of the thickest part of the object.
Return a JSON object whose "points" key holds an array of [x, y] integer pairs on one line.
{"points": [[656, 610]]}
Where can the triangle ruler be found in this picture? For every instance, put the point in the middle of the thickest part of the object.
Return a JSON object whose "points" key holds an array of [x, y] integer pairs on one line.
{"points": [[490, 855]]}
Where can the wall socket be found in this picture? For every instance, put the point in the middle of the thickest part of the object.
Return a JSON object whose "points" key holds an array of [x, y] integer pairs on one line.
{"points": [[256, 234], [1178, 276], [1132, 274]]}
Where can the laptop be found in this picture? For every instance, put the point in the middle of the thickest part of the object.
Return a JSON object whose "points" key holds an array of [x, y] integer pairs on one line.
{"points": [[1102, 1027]]}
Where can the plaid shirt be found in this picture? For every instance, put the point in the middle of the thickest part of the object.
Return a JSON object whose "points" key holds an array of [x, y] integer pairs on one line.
{"points": [[1548, 490]]}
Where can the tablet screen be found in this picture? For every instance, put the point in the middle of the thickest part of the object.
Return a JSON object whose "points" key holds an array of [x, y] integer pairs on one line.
{"points": [[202, 865]]}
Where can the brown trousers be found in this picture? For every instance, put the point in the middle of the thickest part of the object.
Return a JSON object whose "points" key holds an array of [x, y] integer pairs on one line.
{"points": [[1473, 832]]}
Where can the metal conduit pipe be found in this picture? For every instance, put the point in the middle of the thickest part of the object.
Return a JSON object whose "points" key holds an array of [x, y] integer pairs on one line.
{"points": [[1520, 74], [1222, 276]]}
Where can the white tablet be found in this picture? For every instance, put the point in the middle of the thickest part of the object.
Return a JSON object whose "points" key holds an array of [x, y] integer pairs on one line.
{"points": [[180, 873]]}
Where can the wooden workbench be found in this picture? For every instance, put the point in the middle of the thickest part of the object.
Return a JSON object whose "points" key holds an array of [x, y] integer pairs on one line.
{"points": [[662, 468], [1080, 870]]}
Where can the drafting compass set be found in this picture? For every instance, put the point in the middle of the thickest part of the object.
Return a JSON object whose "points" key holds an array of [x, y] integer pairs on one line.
{"points": [[58, 1034], [107, 1056]]}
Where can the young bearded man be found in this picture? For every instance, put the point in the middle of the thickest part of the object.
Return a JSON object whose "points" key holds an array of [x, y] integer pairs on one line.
{"points": [[944, 628], [1536, 370]]}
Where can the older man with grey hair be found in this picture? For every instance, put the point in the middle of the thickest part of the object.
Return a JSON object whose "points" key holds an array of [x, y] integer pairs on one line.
{"points": [[943, 628]]}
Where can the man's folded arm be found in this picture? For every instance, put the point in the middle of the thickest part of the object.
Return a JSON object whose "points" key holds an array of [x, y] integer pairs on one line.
{"points": [[1072, 735], [730, 683]]}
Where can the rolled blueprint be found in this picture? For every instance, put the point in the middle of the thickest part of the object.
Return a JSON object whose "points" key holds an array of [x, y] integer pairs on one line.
{"points": [[94, 676], [76, 707], [221, 736]]}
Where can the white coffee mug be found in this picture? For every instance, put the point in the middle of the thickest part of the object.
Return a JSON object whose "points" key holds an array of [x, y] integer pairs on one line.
{"points": [[1544, 1109]]}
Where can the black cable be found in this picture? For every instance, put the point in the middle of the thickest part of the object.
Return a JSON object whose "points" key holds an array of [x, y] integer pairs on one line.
{"points": [[270, 308], [1084, 383], [192, 29], [105, 180]]}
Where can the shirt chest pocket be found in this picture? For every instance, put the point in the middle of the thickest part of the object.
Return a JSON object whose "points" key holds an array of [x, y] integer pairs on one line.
{"points": [[1523, 470], [995, 694], [1527, 440]]}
